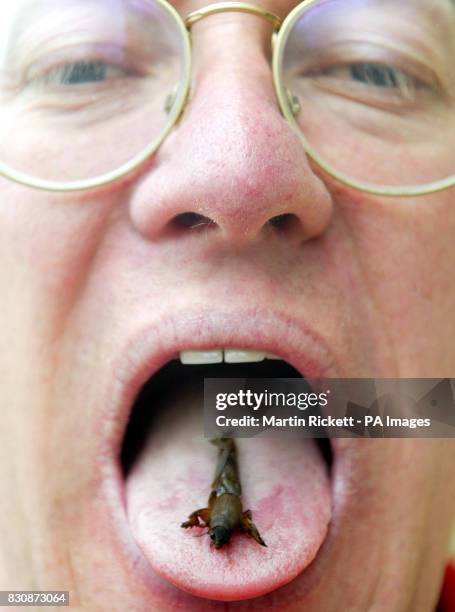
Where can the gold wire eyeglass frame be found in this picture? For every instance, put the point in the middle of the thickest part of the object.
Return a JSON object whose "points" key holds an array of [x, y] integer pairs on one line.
{"points": [[281, 29]]}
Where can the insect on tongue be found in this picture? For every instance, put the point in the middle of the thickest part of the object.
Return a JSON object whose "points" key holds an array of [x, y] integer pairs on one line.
{"points": [[224, 513]]}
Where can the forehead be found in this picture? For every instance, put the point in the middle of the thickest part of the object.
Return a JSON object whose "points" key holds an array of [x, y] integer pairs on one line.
{"points": [[18, 7], [19, 10]]}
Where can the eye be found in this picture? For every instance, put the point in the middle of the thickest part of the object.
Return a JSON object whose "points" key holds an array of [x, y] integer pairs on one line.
{"points": [[378, 75], [396, 85], [84, 72], [372, 78]]}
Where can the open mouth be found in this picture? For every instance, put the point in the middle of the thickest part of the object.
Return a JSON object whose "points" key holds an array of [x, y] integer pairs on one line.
{"points": [[168, 467]]}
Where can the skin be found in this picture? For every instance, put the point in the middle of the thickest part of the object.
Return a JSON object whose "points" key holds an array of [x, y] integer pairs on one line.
{"points": [[82, 273]]}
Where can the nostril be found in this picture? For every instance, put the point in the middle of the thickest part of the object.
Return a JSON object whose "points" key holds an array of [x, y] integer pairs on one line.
{"points": [[191, 220], [284, 222]]}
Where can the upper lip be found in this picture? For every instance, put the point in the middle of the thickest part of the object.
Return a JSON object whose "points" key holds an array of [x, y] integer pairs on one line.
{"points": [[153, 345]]}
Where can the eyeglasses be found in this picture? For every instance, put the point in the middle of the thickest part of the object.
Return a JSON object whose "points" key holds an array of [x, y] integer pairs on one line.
{"points": [[90, 89]]}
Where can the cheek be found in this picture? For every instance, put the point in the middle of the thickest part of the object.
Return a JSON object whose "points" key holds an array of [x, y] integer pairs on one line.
{"points": [[405, 248], [405, 251], [47, 245]]}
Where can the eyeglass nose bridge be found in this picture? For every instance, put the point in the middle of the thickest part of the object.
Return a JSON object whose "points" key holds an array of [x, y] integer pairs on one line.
{"points": [[213, 9], [230, 7]]}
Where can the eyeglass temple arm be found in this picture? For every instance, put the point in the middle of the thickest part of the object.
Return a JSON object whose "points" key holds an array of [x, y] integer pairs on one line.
{"points": [[239, 7]]}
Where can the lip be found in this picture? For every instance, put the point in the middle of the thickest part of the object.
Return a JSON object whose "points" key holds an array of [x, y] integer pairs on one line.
{"points": [[151, 347]]}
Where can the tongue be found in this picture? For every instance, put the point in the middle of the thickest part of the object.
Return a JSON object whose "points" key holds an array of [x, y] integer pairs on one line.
{"points": [[285, 485]]}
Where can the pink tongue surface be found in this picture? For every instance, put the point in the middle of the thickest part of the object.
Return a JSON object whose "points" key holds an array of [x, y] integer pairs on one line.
{"points": [[285, 485]]}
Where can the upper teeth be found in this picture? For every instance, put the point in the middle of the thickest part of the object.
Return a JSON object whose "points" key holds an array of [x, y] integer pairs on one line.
{"points": [[227, 355]]}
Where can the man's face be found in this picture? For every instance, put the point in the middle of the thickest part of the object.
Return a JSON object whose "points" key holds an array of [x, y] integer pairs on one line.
{"points": [[103, 288]]}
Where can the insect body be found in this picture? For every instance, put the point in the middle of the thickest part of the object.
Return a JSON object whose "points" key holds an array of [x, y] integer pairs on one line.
{"points": [[224, 514]]}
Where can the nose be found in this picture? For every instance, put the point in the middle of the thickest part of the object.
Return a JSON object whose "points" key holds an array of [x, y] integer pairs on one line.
{"points": [[233, 165]]}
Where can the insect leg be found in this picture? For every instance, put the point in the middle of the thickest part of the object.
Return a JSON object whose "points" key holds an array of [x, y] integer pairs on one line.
{"points": [[203, 515], [248, 527]]}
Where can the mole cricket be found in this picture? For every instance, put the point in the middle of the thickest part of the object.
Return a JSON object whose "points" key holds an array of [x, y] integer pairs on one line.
{"points": [[224, 513]]}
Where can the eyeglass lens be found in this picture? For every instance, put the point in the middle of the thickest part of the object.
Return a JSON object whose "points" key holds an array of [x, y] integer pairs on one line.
{"points": [[373, 83], [85, 85]]}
